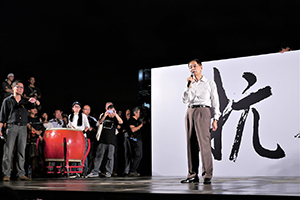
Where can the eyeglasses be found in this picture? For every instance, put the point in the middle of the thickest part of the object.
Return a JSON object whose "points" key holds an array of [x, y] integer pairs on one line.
{"points": [[20, 87]]}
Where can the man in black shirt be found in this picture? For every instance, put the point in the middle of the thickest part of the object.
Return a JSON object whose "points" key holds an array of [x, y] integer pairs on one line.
{"points": [[7, 86], [32, 90], [15, 115], [109, 121], [135, 141], [91, 134]]}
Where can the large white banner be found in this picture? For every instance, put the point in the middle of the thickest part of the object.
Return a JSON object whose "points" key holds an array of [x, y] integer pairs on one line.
{"points": [[259, 98]]}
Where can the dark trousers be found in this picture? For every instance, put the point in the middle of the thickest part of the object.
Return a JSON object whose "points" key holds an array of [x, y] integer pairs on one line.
{"points": [[14, 134], [137, 154], [197, 122], [127, 153]]}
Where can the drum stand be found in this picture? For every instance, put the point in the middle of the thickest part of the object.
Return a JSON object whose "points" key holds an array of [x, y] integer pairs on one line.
{"points": [[65, 167], [80, 167]]}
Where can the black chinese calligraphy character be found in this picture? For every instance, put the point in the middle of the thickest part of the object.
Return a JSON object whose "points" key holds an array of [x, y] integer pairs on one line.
{"points": [[227, 106]]}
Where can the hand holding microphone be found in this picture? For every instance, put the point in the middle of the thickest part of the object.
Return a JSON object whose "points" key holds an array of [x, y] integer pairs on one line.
{"points": [[190, 79], [2, 137]]}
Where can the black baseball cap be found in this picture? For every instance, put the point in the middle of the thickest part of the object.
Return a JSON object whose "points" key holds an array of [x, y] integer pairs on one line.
{"points": [[76, 102]]}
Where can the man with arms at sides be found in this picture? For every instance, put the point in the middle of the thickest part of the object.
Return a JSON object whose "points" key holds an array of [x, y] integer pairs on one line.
{"points": [[91, 134]]}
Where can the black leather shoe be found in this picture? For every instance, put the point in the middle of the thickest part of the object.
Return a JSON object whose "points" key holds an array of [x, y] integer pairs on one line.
{"points": [[191, 180], [207, 181]]}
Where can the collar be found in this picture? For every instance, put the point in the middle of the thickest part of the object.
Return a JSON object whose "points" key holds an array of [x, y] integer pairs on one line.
{"points": [[12, 96], [21, 102], [203, 79]]}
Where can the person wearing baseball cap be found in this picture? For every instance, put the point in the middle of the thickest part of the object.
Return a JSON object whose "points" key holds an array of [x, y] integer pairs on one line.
{"points": [[79, 120]]}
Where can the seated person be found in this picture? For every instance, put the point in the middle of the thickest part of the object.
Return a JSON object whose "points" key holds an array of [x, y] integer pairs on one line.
{"points": [[57, 122]]}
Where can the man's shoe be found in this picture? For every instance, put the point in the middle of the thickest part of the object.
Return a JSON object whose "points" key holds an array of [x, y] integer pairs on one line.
{"points": [[191, 180], [6, 178], [91, 175], [76, 176], [134, 174], [23, 178], [207, 181], [114, 174]]}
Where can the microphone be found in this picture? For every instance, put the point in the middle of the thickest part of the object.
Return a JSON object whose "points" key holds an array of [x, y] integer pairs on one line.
{"points": [[3, 138], [189, 83]]}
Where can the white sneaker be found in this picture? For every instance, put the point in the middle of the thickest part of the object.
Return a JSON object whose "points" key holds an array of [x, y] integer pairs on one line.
{"points": [[76, 176], [91, 175], [107, 175]]}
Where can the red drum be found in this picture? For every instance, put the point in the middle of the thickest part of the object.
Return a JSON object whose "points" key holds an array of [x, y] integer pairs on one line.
{"points": [[54, 149]]}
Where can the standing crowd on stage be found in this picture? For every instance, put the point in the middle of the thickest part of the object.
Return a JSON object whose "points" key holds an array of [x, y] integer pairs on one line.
{"points": [[112, 136]]}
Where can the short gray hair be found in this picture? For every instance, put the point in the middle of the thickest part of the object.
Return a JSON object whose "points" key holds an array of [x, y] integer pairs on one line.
{"points": [[135, 109]]}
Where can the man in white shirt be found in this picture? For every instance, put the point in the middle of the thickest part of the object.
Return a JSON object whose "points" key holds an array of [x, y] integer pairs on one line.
{"points": [[57, 122], [200, 95]]}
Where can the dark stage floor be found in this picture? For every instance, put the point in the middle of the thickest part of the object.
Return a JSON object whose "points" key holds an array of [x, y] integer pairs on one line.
{"points": [[155, 187]]}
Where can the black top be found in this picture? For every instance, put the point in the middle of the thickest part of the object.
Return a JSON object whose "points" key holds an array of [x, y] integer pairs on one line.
{"points": [[108, 134], [37, 125], [93, 124], [14, 112], [6, 85], [135, 123], [32, 91]]}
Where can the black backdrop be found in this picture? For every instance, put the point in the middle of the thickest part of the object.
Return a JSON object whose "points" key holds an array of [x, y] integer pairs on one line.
{"points": [[91, 51]]}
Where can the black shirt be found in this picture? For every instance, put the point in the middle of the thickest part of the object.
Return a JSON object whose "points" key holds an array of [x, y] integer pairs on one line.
{"points": [[35, 123], [6, 85], [31, 91], [93, 124], [108, 134], [135, 123], [14, 112]]}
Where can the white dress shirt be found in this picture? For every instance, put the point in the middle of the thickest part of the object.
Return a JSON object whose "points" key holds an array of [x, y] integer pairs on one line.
{"points": [[56, 124], [204, 92], [85, 122]]}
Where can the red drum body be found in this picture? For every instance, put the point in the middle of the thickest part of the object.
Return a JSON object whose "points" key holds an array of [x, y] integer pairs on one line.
{"points": [[54, 149]]}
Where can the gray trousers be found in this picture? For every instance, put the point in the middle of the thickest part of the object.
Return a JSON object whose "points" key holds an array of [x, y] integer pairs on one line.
{"points": [[101, 149], [197, 122], [18, 134]]}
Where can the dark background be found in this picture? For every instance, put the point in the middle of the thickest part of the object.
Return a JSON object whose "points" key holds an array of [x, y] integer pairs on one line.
{"points": [[91, 51]]}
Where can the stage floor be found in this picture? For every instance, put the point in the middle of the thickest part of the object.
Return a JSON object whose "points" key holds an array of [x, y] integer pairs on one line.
{"points": [[120, 186]]}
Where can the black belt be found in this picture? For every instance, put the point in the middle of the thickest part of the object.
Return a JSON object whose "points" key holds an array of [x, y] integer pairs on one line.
{"points": [[19, 124], [198, 106]]}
